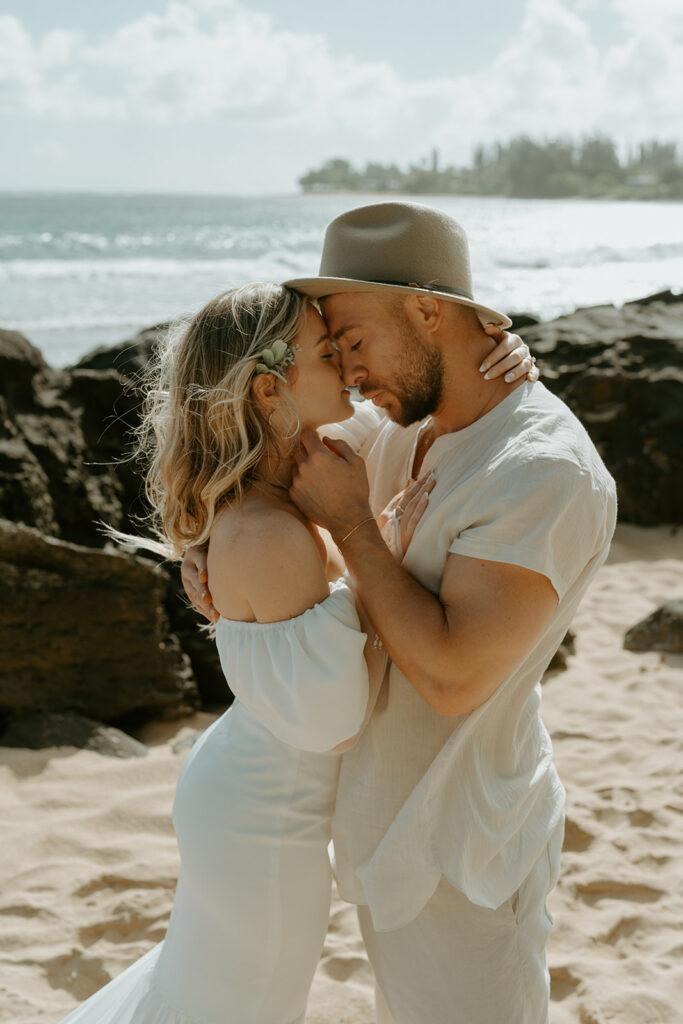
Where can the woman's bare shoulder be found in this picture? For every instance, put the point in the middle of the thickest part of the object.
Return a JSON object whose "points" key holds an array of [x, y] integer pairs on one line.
{"points": [[266, 558]]}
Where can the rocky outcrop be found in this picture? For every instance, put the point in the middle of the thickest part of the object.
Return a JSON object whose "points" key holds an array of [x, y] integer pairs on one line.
{"points": [[520, 320], [129, 358], [62, 438], [621, 372], [65, 441], [53, 729], [85, 630], [560, 659], [660, 631], [198, 645]]}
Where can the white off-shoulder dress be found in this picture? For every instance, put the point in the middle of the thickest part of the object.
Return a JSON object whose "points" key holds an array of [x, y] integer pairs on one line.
{"points": [[252, 814]]}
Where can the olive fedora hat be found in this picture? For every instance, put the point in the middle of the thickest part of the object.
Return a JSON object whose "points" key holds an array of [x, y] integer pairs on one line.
{"points": [[404, 247]]}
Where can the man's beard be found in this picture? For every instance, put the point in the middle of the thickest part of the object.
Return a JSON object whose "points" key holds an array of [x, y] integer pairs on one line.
{"points": [[418, 385]]}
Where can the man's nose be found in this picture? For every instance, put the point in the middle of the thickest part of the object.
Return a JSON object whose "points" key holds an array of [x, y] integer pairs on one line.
{"points": [[353, 372]]}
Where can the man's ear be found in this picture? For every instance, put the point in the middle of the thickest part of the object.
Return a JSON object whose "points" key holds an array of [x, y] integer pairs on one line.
{"points": [[425, 311]]}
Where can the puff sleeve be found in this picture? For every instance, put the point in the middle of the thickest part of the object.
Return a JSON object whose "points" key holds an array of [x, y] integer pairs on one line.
{"points": [[305, 679]]}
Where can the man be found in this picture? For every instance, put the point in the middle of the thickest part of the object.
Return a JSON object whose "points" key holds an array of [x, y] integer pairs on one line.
{"points": [[449, 817]]}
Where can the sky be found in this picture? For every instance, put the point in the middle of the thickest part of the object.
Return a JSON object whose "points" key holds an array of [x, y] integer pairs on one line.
{"points": [[243, 96]]}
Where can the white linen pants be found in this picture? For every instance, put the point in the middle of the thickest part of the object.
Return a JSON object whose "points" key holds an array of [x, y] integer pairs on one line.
{"points": [[458, 963]]}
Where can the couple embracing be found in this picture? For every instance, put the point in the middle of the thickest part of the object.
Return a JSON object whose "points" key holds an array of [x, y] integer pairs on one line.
{"points": [[387, 594]]}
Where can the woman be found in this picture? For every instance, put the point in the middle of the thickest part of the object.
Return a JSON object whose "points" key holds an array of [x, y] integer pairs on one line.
{"points": [[255, 797]]}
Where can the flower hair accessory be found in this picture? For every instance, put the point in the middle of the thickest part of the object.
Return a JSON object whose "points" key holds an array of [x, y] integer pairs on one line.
{"points": [[276, 358]]}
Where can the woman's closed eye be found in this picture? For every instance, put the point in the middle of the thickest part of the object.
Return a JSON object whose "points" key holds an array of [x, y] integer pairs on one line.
{"points": [[357, 345]]}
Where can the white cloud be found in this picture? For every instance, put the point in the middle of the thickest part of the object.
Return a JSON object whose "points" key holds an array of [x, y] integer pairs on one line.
{"points": [[19, 78], [218, 63], [543, 82], [553, 79], [48, 76], [197, 61], [658, 18]]}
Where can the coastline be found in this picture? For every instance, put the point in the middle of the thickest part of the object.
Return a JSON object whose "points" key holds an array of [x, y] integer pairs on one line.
{"points": [[417, 196]]}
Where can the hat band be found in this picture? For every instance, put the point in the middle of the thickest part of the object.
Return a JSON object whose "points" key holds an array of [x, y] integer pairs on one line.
{"points": [[432, 286]]}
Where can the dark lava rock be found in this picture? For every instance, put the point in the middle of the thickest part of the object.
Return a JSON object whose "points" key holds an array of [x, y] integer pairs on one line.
{"points": [[667, 297], [129, 358], [21, 363], [65, 467], [560, 659], [522, 320], [62, 438], [52, 729], [198, 644], [661, 631], [621, 372], [187, 742], [85, 630]]}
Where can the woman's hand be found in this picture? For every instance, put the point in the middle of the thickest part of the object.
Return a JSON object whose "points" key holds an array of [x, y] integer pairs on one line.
{"points": [[398, 521], [195, 578], [511, 357]]}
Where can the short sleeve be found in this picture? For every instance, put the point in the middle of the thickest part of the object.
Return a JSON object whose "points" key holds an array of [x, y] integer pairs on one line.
{"points": [[547, 515], [360, 429], [305, 679]]}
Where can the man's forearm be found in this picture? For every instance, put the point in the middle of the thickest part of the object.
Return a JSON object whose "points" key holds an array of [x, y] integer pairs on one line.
{"points": [[409, 619], [458, 648]]}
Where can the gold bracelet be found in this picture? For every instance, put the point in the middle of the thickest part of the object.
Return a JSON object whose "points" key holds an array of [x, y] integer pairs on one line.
{"points": [[370, 519]]}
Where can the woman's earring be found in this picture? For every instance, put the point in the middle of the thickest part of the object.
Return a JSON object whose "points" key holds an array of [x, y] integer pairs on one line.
{"points": [[297, 430]]}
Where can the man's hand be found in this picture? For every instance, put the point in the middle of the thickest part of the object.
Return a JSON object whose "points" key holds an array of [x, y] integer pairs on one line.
{"points": [[195, 581], [330, 484]]}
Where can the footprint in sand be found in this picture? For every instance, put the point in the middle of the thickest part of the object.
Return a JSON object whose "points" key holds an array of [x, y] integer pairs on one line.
{"points": [[125, 927], [617, 817], [640, 818], [608, 888], [75, 973], [117, 883], [27, 910], [337, 922], [341, 968], [562, 983], [576, 839], [124, 910], [624, 928]]}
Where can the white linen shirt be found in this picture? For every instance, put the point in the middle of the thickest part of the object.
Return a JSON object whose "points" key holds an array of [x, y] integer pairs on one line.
{"points": [[476, 797]]}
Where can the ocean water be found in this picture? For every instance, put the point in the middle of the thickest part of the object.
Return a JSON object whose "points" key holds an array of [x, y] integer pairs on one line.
{"points": [[82, 270]]}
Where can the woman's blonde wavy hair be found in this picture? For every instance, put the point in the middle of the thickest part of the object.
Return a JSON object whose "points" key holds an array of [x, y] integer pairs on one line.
{"points": [[202, 435]]}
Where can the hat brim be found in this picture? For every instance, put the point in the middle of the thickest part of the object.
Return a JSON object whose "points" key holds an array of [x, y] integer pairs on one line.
{"points": [[320, 287]]}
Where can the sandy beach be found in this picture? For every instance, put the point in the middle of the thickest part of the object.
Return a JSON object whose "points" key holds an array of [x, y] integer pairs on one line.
{"points": [[89, 859]]}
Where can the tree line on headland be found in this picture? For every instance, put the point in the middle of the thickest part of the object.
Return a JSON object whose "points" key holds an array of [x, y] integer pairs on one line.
{"points": [[521, 168]]}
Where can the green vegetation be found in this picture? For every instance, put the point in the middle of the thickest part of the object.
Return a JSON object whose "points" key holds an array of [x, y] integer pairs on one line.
{"points": [[522, 168]]}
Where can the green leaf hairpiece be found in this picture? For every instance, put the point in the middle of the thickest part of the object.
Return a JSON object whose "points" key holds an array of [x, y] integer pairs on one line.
{"points": [[276, 358]]}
